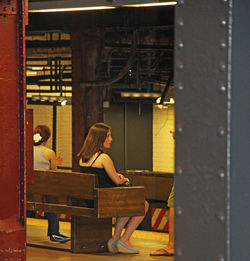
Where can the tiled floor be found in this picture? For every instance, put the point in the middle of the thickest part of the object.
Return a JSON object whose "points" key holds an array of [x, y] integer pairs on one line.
{"points": [[144, 241]]}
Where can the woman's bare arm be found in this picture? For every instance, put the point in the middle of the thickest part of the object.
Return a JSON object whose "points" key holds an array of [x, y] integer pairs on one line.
{"points": [[109, 167], [51, 157]]}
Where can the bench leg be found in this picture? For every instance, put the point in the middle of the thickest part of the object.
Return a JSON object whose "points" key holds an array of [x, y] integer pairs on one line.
{"points": [[89, 235]]}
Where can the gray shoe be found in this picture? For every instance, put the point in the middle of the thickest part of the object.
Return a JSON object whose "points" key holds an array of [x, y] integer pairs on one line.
{"points": [[112, 246], [125, 249]]}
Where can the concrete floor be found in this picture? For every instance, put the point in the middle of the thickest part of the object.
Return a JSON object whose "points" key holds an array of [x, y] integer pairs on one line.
{"points": [[144, 241]]}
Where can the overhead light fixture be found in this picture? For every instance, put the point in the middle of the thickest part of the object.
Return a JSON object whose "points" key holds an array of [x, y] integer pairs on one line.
{"points": [[140, 95], [70, 9], [151, 4], [49, 100], [88, 5], [158, 100], [170, 102]]}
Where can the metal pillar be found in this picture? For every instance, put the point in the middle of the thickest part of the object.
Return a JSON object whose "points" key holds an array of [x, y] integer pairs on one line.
{"points": [[209, 159], [87, 107], [12, 130], [240, 127]]}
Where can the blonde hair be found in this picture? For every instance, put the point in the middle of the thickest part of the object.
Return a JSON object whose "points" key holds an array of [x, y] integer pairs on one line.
{"points": [[94, 141]]}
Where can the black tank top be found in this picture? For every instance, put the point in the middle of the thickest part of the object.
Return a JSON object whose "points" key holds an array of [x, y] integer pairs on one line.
{"points": [[104, 181]]}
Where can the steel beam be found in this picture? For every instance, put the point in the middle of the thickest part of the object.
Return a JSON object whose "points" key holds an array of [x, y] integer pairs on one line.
{"points": [[240, 134], [12, 131], [206, 130], [87, 103]]}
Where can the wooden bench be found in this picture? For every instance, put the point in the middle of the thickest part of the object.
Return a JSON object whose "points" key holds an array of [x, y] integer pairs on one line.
{"points": [[91, 208]]}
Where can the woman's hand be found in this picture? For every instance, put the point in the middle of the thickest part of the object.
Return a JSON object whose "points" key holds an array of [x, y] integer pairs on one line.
{"points": [[59, 160], [122, 178]]}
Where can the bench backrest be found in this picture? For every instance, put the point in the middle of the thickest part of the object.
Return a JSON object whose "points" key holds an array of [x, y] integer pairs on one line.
{"points": [[61, 183], [72, 193]]}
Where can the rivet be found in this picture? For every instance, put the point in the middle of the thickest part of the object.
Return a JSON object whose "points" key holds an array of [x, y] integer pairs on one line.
{"points": [[181, 2], [223, 23], [180, 87], [223, 45], [180, 66], [178, 211], [221, 216], [221, 174], [179, 129], [179, 171], [223, 67], [180, 23], [223, 88], [221, 131], [180, 45], [221, 258], [179, 252], [223, 1]]}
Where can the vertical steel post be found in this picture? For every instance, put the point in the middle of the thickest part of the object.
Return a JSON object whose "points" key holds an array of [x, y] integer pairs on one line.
{"points": [[207, 165], [12, 130], [87, 103], [240, 137], [201, 55]]}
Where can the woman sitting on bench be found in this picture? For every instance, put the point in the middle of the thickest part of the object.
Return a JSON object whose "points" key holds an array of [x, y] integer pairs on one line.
{"points": [[93, 160]]}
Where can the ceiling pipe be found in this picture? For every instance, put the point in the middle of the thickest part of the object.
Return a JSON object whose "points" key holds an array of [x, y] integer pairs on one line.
{"points": [[166, 88], [121, 74]]}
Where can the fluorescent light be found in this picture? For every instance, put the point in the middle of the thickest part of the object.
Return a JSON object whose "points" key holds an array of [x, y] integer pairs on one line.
{"points": [[88, 5], [71, 9], [140, 95], [50, 100], [171, 101], [151, 4], [31, 73], [36, 68], [63, 102], [158, 100]]}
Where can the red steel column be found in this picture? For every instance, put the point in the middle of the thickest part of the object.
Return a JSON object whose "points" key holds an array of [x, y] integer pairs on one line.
{"points": [[12, 130]]}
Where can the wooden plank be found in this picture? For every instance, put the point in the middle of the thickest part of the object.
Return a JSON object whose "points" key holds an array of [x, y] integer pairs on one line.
{"points": [[120, 201], [90, 235], [63, 209], [60, 184], [157, 187]]}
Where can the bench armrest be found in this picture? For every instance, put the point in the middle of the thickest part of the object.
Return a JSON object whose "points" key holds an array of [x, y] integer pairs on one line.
{"points": [[120, 202]]}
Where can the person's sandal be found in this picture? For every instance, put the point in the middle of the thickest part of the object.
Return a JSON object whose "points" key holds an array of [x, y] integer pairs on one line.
{"points": [[161, 252]]}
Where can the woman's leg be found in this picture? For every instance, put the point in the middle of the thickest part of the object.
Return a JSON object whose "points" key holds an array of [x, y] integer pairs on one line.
{"points": [[119, 225], [133, 223]]}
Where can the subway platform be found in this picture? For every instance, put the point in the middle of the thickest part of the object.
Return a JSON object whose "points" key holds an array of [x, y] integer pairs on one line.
{"points": [[40, 248]]}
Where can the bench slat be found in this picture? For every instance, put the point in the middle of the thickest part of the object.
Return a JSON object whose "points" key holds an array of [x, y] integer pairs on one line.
{"points": [[60, 184], [63, 209], [120, 201]]}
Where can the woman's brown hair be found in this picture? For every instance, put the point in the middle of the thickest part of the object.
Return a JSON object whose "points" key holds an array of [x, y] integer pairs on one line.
{"points": [[44, 132], [94, 141]]}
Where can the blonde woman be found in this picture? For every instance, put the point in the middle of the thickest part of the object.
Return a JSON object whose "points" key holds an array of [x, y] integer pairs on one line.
{"points": [[94, 160]]}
